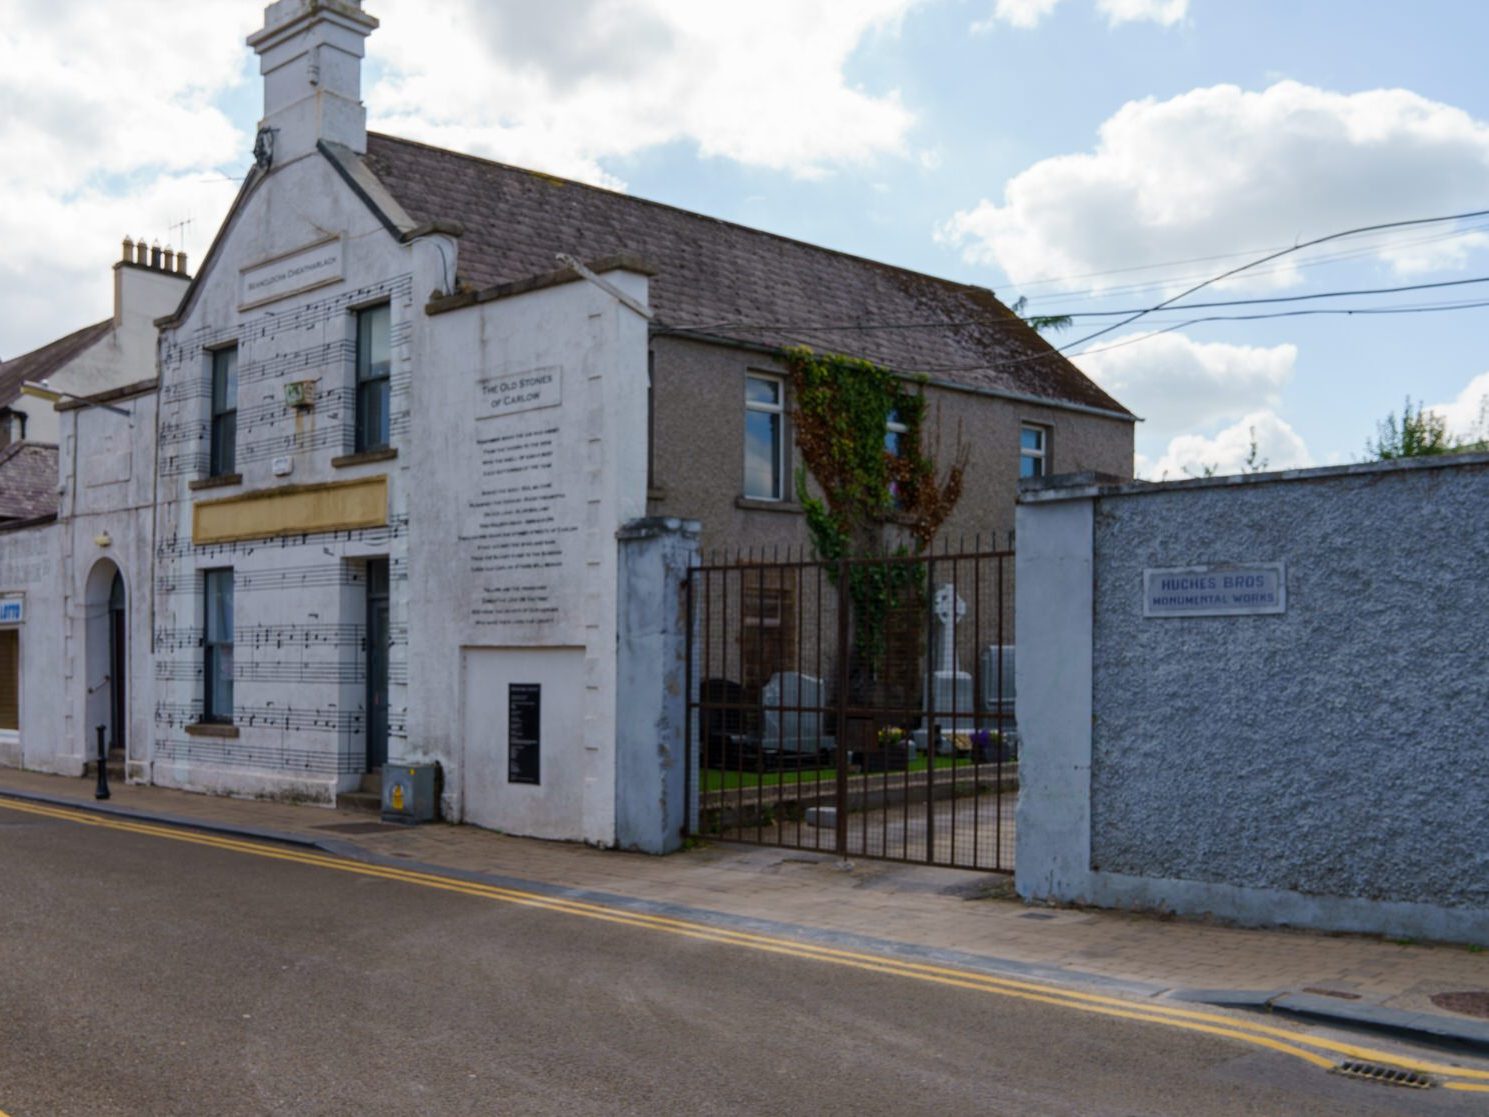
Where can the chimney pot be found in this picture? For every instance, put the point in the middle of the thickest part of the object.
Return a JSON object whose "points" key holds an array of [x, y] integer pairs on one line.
{"points": [[128, 250], [155, 256], [169, 258], [141, 252], [180, 263]]}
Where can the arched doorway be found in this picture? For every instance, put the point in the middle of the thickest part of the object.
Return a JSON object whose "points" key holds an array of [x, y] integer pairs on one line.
{"points": [[106, 607]]}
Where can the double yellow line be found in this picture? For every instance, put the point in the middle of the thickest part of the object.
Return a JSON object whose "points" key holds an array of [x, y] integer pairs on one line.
{"points": [[1318, 1051]]}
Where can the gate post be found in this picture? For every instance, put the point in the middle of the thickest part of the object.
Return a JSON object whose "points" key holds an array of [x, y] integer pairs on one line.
{"points": [[840, 816], [651, 768]]}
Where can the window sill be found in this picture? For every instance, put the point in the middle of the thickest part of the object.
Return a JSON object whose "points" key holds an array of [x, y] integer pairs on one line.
{"points": [[363, 457], [211, 729], [221, 481], [752, 504]]}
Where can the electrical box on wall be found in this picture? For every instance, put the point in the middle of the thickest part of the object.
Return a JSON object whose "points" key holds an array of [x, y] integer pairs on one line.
{"points": [[300, 394], [410, 792]]}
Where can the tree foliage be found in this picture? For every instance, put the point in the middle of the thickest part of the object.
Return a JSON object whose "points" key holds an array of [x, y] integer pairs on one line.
{"points": [[874, 503], [1041, 322], [843, 406], [1419, 433]]}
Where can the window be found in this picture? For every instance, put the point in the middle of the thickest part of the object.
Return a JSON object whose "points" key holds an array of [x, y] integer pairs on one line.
{"points": [[10, 678], [217, 643], [374, 366], [894, 445], [765, 443], [767, 628], [1033, 451], [224, 411]]}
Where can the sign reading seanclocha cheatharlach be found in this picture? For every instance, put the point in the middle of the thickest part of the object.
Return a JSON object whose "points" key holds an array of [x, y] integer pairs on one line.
{"points": [[1227, 589]]}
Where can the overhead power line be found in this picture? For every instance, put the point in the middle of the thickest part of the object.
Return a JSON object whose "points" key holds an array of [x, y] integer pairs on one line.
{"points": [[1267, 259], [1003, 323], [1293, 298], [1167, 281]]}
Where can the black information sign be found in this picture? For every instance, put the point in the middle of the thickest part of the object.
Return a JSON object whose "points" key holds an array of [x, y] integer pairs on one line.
{"points": [[524, 715]]}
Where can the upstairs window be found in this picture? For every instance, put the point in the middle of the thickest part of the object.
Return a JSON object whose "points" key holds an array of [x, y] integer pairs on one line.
{"points": [[765, 441], [1034, 444], [374, 366], [895, 432], [217, 644], [223, 458]]}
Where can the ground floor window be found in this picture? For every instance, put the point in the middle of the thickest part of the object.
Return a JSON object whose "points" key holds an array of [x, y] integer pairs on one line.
{"points": [[217, 691], [767, 631], [10, 679]]}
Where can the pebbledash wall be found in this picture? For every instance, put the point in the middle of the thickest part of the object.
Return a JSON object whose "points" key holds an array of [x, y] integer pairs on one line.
{"points": [[1326, 765]]}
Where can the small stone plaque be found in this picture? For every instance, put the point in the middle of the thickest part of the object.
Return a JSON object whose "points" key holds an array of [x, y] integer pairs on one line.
{"points": [[521, 391], [301, 270], [1227, 589]]}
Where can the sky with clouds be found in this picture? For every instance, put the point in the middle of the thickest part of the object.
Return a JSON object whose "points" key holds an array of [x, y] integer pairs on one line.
{"points": [[1093, 156]]}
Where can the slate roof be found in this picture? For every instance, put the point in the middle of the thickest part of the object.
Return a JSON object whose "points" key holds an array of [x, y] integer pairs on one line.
{"points": [[726, 280], [39, 364], [28, 480]]}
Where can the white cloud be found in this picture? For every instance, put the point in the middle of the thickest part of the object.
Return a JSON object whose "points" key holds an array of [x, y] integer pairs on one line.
{"points": [[565, 84], [1178, 384], [1222, 170], [1026, 14], [1164, 12], [1468, 416], [109, 128], [113, 120], [1017, 13], [1276, 446]]}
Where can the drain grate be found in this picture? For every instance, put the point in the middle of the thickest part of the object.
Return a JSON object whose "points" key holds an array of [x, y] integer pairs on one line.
{"points": [[1386, 1076]]}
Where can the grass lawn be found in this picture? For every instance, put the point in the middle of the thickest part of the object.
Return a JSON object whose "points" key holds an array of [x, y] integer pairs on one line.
{"points": [[715, 779]]}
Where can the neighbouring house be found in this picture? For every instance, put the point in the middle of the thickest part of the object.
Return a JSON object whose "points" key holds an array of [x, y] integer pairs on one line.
{"points": [[120, 350], [423, 453], [38, 601]]}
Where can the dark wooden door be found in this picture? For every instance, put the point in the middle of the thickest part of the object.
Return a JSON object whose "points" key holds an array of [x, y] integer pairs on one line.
{"points": [[377, 664]]}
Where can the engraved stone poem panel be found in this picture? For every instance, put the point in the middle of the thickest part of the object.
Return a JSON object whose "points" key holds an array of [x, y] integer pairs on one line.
{"points": [[521, 521]]}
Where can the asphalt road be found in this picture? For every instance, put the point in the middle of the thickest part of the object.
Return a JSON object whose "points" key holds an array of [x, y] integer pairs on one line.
{"points": [[144, 975]]}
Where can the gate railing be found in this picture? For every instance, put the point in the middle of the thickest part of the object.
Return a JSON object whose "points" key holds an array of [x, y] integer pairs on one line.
{"points": [[862, 707]]}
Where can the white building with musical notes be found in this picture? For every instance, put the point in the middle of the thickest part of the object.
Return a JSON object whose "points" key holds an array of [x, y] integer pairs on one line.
{"points": [[393, 494], [376, 516]]}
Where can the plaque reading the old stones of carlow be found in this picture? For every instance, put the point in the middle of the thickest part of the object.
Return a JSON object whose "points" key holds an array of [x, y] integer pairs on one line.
{"points": [[1226, 589], [524, 716]]}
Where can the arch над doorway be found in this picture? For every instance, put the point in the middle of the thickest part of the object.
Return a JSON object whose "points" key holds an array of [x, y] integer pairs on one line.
{"points": [[106, 609]]}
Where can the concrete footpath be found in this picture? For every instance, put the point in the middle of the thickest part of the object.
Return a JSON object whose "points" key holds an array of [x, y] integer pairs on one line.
{"points": [[960, 918]]}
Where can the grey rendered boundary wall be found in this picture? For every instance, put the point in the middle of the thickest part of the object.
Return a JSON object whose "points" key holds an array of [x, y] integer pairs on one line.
{"points": [[1327, 767]]}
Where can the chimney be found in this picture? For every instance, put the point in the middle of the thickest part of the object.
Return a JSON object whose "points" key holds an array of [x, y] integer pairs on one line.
{"points": [[148, 284], [310, 53]]}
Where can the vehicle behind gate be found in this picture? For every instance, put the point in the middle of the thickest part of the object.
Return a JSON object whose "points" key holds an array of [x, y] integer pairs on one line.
{"points": [[861, 707]]}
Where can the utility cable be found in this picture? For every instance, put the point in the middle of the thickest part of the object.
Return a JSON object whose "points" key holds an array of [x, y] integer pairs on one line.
{"points": [[1267, 259]]}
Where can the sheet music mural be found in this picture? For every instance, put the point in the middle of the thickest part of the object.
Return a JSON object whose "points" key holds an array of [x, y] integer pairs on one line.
{"points": [[300, 663]]}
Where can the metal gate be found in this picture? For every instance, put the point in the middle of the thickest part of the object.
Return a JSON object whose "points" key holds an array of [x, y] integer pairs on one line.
{"points": [[860, 707]]}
